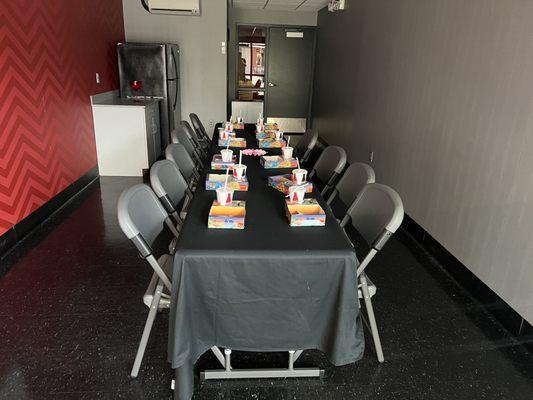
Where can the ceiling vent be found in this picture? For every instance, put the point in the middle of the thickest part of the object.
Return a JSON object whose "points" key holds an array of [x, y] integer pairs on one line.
{"points": [[175, 7]]}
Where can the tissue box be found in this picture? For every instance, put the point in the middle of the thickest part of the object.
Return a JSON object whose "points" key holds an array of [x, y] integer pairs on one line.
{"points": [[230, 216], [309, 213], [265, 135], [218, 164], [236, 125], [271, 143], [278, 162], [233, 142], [284, 182], [215, 181]]}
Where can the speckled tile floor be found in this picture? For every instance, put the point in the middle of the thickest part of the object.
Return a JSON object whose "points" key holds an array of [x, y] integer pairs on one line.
{"points": [[71, 316]]}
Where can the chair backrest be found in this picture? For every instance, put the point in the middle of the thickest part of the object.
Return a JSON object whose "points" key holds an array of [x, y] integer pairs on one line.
{"points": [[354, 179], [182, 136], [198, 126], [191, 133], [306, 144], [169, 184], [329, 166], [141, 216], [376, 214], [174, 136], [177, 153]]}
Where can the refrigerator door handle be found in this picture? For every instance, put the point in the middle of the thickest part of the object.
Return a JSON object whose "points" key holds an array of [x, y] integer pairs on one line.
{"points": [[175, 65], [175, 95]]}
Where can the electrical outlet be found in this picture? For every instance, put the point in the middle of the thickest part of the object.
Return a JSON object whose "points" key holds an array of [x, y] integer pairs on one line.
{"points": [[211, 124], [97, 77], [371, 156]]}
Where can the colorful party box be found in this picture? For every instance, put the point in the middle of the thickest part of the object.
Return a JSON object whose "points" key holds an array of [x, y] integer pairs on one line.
{"points": [[284, 182], [271, 143], [236, 125], [271, 127], [309, 213], [215, 181], [230, 216], [233, 142], [218, 164], [278, 162]]}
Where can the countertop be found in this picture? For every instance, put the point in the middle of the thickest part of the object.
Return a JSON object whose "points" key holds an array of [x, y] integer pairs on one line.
{"points": [[120, 102]]}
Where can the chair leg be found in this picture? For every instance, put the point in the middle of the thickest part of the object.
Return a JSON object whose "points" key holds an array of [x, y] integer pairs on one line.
{"points": [[372, 319], [147, 329]]}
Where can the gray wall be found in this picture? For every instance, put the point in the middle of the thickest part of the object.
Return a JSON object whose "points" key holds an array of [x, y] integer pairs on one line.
{"points": [[442, 92], [249, 16], [203, 66]]}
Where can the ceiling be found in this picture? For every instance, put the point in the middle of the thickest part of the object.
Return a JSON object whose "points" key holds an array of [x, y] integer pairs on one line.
{"points": [[280, 5]]}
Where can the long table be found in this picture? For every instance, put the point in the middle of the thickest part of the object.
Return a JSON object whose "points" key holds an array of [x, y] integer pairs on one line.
{"points": [[269, 287]]}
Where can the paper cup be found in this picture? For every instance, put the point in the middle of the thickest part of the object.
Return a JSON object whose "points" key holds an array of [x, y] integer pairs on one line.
{"points": [[297, 194], [224, 196], [287, 152], [228, 127], [223, 135], [260, 128], [239, 171], [278, 135], [299, 176], [227, 155], [260, 121], [239, 120]]}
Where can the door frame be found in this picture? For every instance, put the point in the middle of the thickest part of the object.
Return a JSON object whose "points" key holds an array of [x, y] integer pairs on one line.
{"points": [[265, 89]]}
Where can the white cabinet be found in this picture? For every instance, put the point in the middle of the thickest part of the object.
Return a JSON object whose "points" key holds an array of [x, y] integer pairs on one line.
{"points": [[128, 136]]}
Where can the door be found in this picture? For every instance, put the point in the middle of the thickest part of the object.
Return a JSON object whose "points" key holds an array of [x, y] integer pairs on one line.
{"points": [[290, 72]]}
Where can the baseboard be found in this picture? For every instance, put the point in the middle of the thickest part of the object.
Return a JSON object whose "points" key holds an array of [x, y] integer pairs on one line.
{"points": [[494, 304], [9, 239]]}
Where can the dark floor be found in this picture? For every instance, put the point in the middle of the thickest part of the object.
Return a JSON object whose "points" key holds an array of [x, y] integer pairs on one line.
{"points": [[71, 316]]}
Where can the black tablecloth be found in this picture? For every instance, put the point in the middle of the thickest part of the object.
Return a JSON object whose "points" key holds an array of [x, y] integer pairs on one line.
{"points": [[269, 287]]}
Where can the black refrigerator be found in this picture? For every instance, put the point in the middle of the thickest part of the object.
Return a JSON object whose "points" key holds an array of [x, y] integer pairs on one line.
{"points": [[152, 71]]}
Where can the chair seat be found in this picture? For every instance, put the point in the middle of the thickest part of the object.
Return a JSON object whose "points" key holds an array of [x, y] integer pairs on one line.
{"points": [[372, 289], [167, 264]]}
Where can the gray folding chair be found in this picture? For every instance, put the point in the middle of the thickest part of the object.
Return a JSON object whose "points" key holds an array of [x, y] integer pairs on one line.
{"points": [[306, 144], [180, 135], [142, 217], [171, 188], [376, 214], [202, 152], [177, 153], [329, 166], [201, 134], [354, 179]]}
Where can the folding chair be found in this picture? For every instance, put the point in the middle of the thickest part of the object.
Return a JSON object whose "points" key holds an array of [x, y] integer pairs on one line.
{"points": [[202, 151], [171, 188], [329, 166], [354, 179], [201, 134], [306, 144], [180, 135], [177, 153], [142, 217], [376, 214]]}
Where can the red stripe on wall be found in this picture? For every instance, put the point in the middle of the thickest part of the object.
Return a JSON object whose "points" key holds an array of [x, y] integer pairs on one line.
{"points": [[49, 54]]}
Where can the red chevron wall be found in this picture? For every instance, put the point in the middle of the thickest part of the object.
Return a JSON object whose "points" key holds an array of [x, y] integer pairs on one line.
{"points": [[50, 51]]}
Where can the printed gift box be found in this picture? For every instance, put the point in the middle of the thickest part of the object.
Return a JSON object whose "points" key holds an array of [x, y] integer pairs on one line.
{"points": [[309, 213], [271, 143], [233, 142], [236, 125], [218, 164], [215, 181], [278, 162], [230, 216], [284, 182]]}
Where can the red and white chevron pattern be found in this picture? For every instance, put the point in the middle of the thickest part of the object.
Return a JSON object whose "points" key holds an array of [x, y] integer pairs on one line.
{"points": [[50, 51]]}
